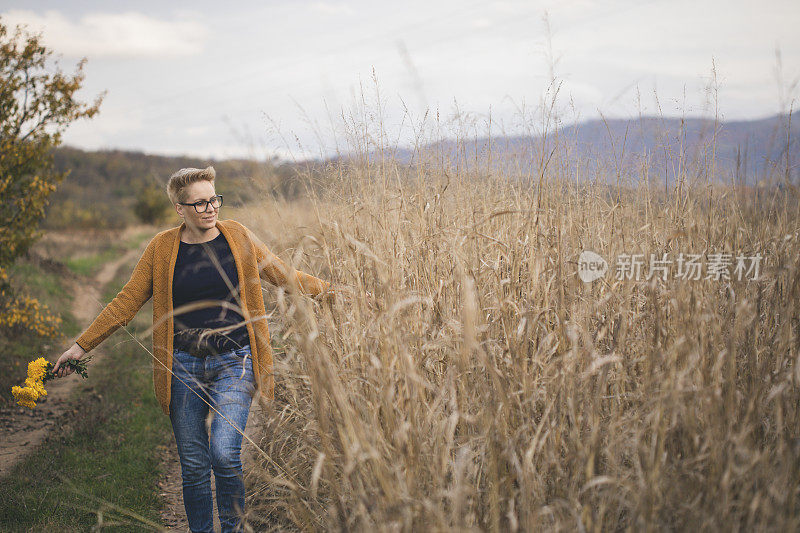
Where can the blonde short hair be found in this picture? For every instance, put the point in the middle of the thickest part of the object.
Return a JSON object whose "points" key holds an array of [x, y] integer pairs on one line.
{"points": [[179, 180]]}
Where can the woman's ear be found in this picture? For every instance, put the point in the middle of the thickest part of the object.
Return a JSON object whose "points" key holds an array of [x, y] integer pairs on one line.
{"points": [[179, 210]]}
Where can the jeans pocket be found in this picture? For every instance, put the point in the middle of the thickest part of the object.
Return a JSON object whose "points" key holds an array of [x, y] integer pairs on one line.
{"points": [[243, 352], [244, 355], [238, 363], [245, 370], [182, 362]]}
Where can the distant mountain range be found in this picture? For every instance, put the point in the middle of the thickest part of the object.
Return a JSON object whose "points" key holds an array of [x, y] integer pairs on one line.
{"points": [[103, 185], [746, 151]]}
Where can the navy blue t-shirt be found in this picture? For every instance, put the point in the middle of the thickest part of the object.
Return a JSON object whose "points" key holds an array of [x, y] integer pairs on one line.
{"points": [[197, 278]]}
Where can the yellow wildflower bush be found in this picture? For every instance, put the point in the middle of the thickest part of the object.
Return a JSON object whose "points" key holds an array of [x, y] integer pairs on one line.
{"points": [[23, 314]]}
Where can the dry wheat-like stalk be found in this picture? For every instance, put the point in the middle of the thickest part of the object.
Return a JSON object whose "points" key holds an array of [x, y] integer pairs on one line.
{"points": [[492, 389]]}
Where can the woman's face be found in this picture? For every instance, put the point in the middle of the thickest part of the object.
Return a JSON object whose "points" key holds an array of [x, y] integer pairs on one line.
{"points": [[199, 190]]}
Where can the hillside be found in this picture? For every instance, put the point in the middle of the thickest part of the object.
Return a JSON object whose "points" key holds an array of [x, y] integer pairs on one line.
{"points": [[747, 151], [103, 186]]}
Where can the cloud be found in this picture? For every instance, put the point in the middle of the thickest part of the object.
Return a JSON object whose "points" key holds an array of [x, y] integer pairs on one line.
{"points": [[331, 8], [481, 22], [128, 34]]}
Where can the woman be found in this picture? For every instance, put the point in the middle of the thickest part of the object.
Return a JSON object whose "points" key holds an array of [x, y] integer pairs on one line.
{"points": [[210, 337]]}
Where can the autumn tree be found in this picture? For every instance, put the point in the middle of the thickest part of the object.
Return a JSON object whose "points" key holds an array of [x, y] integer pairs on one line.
{"points": [[37, 103]]}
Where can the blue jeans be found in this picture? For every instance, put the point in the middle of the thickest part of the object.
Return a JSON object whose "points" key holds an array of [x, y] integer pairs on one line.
{"points": [[225, 381]]}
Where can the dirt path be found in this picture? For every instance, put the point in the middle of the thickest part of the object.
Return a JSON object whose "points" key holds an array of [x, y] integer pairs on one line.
{"points": [[22, 429]]}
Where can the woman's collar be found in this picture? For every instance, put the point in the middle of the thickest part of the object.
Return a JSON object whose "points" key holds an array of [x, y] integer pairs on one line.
{"points": [[219, 224]]}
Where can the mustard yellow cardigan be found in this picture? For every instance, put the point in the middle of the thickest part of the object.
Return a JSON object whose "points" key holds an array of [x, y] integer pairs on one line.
{"points": [[152, 277]]}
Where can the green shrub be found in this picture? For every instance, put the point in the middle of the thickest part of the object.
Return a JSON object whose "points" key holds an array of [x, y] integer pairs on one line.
{"points": [[151, 205]]}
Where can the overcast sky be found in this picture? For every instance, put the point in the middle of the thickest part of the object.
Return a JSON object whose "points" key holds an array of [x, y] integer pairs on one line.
{"points": [[216, 79]]}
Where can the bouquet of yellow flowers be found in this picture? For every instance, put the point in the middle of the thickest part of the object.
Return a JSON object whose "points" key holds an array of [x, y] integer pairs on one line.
{"points": [[39, 372]]}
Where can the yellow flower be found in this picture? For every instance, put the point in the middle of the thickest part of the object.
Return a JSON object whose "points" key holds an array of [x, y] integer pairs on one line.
{"points": [[37, 369], [34, 384], [38, 386], [40, 371], [25, 396]]}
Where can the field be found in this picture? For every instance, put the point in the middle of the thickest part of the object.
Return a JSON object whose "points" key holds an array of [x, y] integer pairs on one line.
{"points": [[490, 388], [469, 376], [567, 313]]}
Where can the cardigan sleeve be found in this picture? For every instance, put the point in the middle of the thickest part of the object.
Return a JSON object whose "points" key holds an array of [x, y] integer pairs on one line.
{"points": [[125, 305], [273, 269]]}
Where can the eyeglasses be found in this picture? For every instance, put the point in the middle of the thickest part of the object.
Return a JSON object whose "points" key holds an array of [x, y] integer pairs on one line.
{"points": [[201, 206]]}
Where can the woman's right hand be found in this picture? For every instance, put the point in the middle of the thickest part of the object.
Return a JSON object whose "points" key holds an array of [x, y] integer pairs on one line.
{"points": [[61, 369]]}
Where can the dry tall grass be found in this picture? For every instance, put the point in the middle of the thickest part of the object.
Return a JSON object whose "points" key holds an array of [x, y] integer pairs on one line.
{"points": [[492, 389]]}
